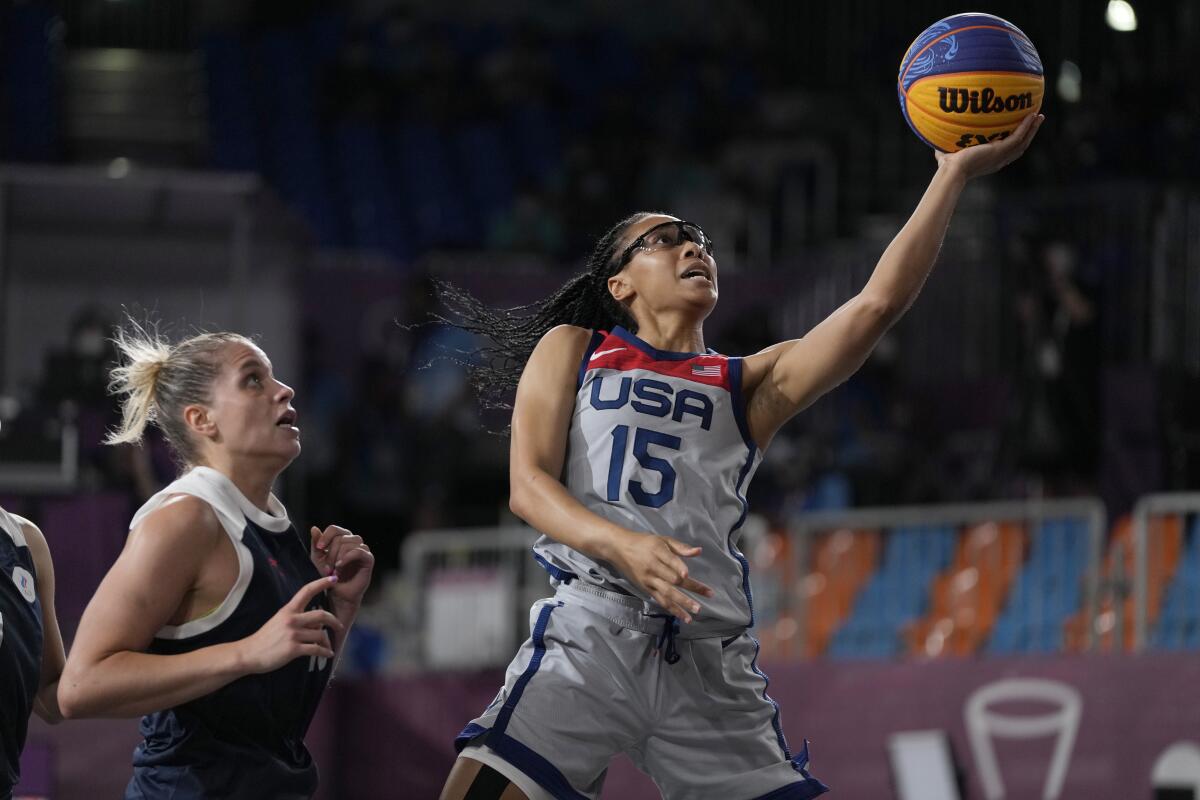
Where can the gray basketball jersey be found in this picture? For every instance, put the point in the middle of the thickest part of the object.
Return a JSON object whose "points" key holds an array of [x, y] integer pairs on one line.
{"points": [[659, 444]]}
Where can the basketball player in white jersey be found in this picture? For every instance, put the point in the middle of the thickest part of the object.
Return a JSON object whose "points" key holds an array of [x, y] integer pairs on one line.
{"points": [[632, 448], [218, 624]]}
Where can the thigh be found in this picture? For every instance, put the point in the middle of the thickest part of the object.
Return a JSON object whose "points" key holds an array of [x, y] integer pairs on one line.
{"points": [[566, 707], [720, 735]]}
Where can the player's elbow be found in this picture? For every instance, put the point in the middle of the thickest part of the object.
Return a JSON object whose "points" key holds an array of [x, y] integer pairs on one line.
{"points": [[878, 311], [51, 716], [45, 703], [523, 497], [71, 700], [76, 696], [518, 499]]}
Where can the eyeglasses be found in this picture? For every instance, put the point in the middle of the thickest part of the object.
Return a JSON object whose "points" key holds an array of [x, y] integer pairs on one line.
{"points": [[666, 235]]}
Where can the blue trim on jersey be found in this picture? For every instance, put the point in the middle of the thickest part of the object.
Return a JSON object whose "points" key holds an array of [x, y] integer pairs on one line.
{"points": [[661, 355], [557, 573], [524, 758], [739, 413], [539, 650], [597, 338], [739, 407]]}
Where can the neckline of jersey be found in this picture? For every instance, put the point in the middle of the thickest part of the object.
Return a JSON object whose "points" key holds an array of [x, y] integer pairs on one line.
{"points": [[275, 520], [653, 352]]}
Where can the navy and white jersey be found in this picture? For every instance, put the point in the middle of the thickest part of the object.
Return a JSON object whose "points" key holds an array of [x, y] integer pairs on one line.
{"points": [[659, 444], [20, 647], [246, 739]]}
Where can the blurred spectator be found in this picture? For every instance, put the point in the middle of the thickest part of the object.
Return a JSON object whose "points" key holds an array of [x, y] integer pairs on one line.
{"points": [[1059, 416], [74, 386]]}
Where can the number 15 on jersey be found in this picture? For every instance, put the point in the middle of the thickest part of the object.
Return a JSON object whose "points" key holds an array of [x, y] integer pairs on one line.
{"points": [[643, 440]]}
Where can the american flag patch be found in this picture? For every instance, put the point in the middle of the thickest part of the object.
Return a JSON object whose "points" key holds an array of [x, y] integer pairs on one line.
{"points": [[710, 371]]}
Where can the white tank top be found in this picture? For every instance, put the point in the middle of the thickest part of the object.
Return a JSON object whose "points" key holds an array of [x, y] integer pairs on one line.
{"points": [[659, 444]]}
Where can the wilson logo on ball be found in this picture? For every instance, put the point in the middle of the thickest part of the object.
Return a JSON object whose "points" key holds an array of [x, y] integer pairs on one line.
{"points": [[962, 101], [969, 79]]}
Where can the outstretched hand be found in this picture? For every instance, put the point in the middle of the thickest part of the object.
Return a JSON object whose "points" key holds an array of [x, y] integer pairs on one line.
{"points": [[984, 159]]}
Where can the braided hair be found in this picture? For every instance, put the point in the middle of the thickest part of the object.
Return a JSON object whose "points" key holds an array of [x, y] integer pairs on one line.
{"points": [[512, 333]]}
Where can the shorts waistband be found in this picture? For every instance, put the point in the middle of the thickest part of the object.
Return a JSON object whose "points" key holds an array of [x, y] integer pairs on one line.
{"points": [[623, 609]]}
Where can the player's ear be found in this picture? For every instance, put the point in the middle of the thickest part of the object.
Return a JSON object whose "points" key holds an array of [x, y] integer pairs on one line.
{"points": [[620, 287], [199, 421]]}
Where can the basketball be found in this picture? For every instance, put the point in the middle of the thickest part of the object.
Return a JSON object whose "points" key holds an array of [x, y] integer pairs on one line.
{"points": [[969, 79]]}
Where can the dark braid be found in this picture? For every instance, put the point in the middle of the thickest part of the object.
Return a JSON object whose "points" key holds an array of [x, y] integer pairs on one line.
{"points": [[584, 301]]}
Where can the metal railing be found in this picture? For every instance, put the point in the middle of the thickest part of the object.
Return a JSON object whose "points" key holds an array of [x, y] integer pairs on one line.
{"points": [[468, 591], [492, 568], [804, 527], [1151, 506]]}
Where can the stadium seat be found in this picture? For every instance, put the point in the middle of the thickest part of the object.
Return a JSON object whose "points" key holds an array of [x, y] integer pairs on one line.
{"points": [[842, 562], [896, 594], [1178, 625], [966, 598], [366, 191], [232, 134], [430, 186], [1046, 591], [535, 140], [484, 164], [1163, 552], [28, 114]]}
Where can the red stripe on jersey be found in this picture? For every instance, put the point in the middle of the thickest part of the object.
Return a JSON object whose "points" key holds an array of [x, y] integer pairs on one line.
{"points": [[616, 353]]}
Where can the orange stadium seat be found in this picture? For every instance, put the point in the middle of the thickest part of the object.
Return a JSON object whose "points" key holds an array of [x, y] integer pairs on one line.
{"points": [[842, 561], [1163, 547], [966, 598]]}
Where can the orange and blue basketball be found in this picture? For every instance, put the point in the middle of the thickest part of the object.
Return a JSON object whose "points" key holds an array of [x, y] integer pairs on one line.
{"points": [[969, 79]]}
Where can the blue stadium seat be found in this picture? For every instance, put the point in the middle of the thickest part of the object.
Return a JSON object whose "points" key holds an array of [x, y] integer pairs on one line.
{"points": [[896, 594], [535, 141], [430, 189], [233, 136], [1047, 590], [293, 152], [1178, 626], [28, 119], [366, 191], [484, 165]]}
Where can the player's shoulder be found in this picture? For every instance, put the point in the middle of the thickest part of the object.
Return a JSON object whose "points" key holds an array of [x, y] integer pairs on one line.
{"points": [[28, 529], [182, 521], [562, 343], [566, 337], [35, 540], [757, 366], [32, 534]]}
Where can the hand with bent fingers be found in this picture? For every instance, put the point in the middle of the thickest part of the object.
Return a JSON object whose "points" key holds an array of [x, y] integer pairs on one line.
{"points": [[293, 632], [984, 159], [337, 551], [655, 563]]}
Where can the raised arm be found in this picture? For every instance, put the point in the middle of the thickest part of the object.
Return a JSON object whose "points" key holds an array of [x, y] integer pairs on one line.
{"points": [[786, 378], [540, 424], [109, 675], [45, 702]]}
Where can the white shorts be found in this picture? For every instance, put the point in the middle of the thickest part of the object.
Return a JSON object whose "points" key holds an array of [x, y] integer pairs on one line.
{"points": [[593, 681]]}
